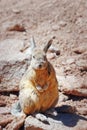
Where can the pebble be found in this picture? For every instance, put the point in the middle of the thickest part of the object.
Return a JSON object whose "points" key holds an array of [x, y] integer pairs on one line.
{"points": [[70, 61], [62, 23], [16, 11], [17, 27], [55, 28]]}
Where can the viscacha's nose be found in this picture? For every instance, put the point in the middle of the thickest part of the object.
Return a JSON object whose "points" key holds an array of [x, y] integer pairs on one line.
{"points": [[40, 66]]}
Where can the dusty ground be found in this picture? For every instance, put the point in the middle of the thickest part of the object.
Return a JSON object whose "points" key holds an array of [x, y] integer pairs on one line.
{"points": [[64, 20]]}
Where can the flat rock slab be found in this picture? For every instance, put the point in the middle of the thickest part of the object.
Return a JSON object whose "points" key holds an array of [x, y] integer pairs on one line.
{"points": [[60, 122], [7, 101], [16, 123], [5, 110], [10, 75], [73, 85], [72, 74], [5, 119], [13, 64], [11, 50], [74, 105]]}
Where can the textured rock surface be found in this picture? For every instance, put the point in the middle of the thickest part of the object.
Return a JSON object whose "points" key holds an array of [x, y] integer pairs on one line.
{"points": [[78, 105], [72, 75], [16, 123], [5, 119], [4, 110], [13, 64], [62, 121], [7, 100], [73, 85]]}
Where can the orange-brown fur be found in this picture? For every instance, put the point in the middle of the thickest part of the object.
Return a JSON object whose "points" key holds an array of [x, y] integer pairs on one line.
{"points": [[44, 99]]}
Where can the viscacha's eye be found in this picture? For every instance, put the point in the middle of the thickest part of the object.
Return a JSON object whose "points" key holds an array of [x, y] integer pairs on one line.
{"points": [[33, 56]]}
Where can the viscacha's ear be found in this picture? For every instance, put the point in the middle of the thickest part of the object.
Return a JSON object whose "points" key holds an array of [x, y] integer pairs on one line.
{"points": [[32, 42], [47, 45]]}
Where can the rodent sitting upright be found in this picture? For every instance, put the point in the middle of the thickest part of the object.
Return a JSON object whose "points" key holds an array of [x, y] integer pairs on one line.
{"points": [[38, 86]]}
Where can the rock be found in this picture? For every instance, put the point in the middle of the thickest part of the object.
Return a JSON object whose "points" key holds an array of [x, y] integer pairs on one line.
{"points": [[73, 81], [81, 106], [16, 123], [60, 122], [70, 61], [55, 27], [4, 110], [82, 64], [16, 11], [54, 50], [51, 56], [7, 101], [2, 103], [62, 97], [32, 123], [67, 68], [78, 86], [12, 96], [10, 50], [11, 74], [62, 82], [75, 104], [80, 49], [73, 85], [17, 27], [62, 23], [82, 110], [5, 119], [13, 64]]}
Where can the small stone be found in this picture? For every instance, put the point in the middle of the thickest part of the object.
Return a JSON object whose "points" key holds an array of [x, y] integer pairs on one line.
{"points": [[55, 28], [62, 97], [70, 61], [51, 56], [41, 117], [67, 68], [62, 23], [81, 49], [54, 50], [64, 63], [17, 27], [68, 31], [17, 11]]}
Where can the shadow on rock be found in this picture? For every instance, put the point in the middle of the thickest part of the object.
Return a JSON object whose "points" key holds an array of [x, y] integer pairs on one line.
{"points": [[69, 119]]}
